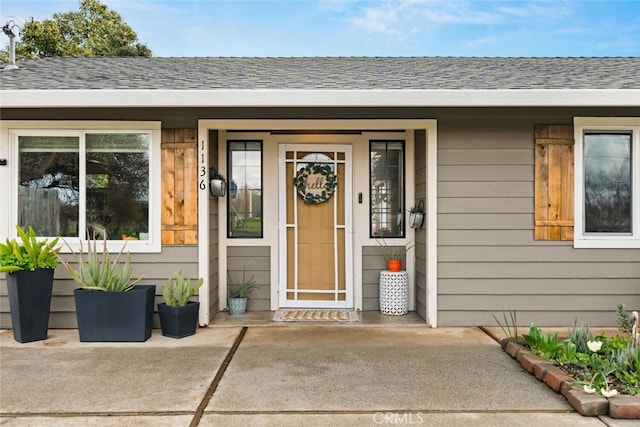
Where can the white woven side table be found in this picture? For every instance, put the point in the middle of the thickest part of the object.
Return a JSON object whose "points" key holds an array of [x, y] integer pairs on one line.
{"points": [[394, 292]]}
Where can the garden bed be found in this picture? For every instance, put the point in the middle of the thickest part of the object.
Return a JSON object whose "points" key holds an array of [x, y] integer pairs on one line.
{"points": [[621, 406]]}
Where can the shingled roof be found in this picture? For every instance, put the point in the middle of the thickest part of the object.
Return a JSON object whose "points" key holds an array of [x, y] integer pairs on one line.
{"points": [[320, 73]]}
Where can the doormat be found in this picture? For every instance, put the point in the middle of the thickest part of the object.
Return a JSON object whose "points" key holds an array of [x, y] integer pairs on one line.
{"points": [[316, 315]]}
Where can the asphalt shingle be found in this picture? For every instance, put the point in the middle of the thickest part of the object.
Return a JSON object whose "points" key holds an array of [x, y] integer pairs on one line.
{"points": [[318, 73]]}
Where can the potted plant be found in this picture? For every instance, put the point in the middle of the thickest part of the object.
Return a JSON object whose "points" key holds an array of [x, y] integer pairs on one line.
{"points": [[217, 184], [394, 254], [239, 291], [30, 267], [416, 215], [110, 306], [178, 315]]}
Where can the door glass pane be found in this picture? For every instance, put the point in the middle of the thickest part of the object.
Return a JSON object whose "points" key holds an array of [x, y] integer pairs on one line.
{"points": [[118, 185], [48, 191], [245, 189], [387, 188], [607, 186]]}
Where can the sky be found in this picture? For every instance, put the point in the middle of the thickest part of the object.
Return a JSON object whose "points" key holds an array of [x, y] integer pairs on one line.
{"points": [[367, 28]]}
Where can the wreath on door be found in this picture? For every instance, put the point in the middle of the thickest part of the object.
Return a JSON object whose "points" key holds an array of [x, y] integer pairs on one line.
{"points": [[315, 183]]}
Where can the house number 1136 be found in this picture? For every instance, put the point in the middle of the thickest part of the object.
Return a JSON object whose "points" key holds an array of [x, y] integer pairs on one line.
{"points": [[203, 169]]}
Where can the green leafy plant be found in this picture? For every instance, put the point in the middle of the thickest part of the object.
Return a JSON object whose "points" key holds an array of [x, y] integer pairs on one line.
{"points": [[97, 271], [31, 254], [607, 365], [510, 326], [178, 290], [580, 335], [568, 354], [544, 345], [601, 368], [627, 367], [393, 252], [241, 288], [623, 320]]}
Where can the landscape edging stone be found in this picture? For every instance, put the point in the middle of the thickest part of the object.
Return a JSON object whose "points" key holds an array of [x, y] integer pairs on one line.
{"points": [[619, 407]]}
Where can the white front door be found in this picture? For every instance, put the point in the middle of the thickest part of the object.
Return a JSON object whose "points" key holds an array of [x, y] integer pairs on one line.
{"points": [[315, 232]]}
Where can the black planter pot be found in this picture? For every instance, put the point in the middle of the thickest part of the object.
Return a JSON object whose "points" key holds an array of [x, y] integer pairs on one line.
{"points": [[178, 322], [115, 316], [30, 303]]}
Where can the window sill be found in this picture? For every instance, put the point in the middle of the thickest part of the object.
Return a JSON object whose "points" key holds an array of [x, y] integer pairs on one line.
{"points": [[113, 246], [605, 243]]}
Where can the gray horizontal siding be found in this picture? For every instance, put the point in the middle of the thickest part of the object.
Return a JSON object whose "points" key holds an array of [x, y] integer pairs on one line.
{"points": [[488, 205], [155, 269], [624, 288], [534, 254], [489, 262], [496, 221], [540, 270], [489, 237], [541, 317], [254, 261], [485, 189], [520, 173], [488, 156], [372, 263]]}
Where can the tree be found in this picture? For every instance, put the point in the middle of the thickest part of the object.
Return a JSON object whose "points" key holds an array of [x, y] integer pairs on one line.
{"points": [[94, 30]]}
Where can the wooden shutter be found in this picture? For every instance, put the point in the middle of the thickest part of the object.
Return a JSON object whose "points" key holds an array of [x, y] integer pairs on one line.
{"points": [[554, 182], [179, 186]]}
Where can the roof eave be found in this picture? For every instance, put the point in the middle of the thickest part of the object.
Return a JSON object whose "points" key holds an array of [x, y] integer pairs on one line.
{"points": [[319, 98]]}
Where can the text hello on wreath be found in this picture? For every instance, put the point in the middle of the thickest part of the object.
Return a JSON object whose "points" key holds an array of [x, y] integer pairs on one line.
{"points": [[315, 183]]}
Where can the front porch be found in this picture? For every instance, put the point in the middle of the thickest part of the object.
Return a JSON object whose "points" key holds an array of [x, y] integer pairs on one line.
{"points": [[265, 318], [341, 271]]}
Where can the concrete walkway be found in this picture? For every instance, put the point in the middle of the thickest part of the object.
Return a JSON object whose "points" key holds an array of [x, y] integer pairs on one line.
{"points": [[277, 376]]}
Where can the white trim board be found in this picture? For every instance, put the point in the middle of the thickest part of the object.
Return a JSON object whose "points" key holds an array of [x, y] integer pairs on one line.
{"points": [[33, 98]]}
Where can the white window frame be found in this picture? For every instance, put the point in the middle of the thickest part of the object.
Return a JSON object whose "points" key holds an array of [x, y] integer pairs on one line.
{"points": [[606, 124], [10, 131]]}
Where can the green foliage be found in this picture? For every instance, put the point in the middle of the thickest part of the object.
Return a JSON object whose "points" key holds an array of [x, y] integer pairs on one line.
{"points": [[546, 345], [393, 252], [579, 335], [241, 288], [627, 367], [568, 354], [606, 365], [93, 30], [96, 271], [623, 320], [510, 326], [178, 290], [30, 254]]}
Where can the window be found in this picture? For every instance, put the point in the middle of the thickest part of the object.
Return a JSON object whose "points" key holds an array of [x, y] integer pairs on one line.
{"points": [[245, 189], [607, 182], [386, 189], [83, 183]]}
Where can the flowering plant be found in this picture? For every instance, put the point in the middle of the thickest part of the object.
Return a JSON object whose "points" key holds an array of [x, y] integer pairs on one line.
{"points": [[599, 377], [607, 365]]}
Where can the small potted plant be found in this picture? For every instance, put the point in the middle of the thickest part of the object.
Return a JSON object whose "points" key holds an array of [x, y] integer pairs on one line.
{"points": [[394, 254], [110, 305], [239, 291], [30, 267], [416, 215], [178, 315]]}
